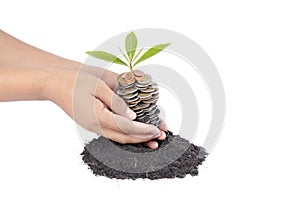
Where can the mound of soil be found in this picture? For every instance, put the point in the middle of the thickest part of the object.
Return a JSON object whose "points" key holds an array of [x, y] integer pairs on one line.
{"points": [[176, 157]]}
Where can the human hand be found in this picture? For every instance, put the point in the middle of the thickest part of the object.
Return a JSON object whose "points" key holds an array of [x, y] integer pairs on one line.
{"points": [[91, 102], [110, 78]]}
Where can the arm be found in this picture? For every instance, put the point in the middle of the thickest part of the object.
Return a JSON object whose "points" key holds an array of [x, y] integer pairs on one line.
{"points": [[18, 83], [15, 52], [38, 75]]}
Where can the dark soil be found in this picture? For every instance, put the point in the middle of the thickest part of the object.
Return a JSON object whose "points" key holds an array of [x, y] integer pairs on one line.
{"points": [[176, 157]]}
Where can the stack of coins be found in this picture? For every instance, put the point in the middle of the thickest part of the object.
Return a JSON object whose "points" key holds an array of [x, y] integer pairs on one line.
{"points": [[141, 94]]}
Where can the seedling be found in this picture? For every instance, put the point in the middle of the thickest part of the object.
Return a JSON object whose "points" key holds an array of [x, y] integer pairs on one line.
{"points": [[132, 56]]}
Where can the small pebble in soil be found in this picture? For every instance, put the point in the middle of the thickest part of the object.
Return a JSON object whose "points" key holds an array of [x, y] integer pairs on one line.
{"points": [[107, 158]]}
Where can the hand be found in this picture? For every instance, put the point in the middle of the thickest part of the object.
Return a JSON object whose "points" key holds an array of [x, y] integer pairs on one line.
{"points": [[91, 102], [110, 78]]}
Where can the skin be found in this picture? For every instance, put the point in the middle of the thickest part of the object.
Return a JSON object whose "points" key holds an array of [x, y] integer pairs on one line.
{"points": [[28, 73]]}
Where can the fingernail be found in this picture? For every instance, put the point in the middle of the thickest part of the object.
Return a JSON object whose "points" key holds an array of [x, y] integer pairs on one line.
{"points": [[131, 114]]}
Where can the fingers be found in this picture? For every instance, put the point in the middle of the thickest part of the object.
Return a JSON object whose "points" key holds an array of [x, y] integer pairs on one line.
{"points": [[152, 144], [109, 77], [162, 125], [113, 101], [162, 136], [123, 138], [109, 120]]}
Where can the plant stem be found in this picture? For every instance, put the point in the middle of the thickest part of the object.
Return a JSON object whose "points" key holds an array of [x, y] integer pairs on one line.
{"points": [[131, 67]]}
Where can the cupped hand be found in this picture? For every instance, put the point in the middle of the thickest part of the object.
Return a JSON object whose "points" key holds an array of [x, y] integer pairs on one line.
{"points": [[87, 96]]}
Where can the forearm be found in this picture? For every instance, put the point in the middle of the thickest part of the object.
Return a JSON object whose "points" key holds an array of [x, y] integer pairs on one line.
{"points": [[14, 53], [18, 83]]}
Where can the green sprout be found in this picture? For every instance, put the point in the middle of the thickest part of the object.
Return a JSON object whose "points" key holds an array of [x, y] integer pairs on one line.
{"points": [[132, 53]]}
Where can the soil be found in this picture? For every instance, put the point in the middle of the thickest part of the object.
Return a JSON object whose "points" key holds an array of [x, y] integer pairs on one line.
{"points": [[176, 157]]}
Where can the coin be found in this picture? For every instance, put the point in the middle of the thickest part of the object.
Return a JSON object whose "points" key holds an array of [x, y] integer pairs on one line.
{"points": [[152, 107], [141, 116], [147, 79], [139, 111], [153, 85], [130, 95], [155, 92], [151, 116], [127, 90], [150, 101], [157, 111], [148, 90], [138, 73], [140, 86], [151, 112], [152, 121], [155, 96], [144, 95], [146, 110], [142, 105], [129, 77], [124, 91], [146, 120], [135, 99], [140, 79], [131, 105], [122, 81]]}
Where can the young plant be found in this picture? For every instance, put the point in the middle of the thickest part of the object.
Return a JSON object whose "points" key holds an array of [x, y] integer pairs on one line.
{"points": [[132, 56]]}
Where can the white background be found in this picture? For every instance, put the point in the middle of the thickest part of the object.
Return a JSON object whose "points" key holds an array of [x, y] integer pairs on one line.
{"points": [[255, 46]]}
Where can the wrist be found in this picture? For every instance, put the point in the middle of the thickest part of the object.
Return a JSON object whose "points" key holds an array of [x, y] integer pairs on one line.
{"points": [[59, 84]]}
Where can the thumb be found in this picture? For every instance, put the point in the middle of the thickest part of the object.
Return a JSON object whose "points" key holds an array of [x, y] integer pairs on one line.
{"points": [[113, 101]]}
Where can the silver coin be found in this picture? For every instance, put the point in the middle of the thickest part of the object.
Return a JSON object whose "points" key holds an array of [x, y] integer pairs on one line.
{"points": [[125, 91], [144, 95], [150, 101], [146, 110], [133, 99], [129, 90], [138, 73], [157, 111], [147, 79], [155, 92], [152, 117], [154, 106], [153, 85], [155, 96], [141, 117], [141, 86], [153, 120], [129, 96], [147, 90], [131, 105], [140, 106], [139, 111], [151, 112]]}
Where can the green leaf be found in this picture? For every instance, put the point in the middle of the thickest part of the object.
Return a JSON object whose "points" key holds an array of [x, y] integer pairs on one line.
{"points": [[107, 57], [152, 51], [130, 45]]}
